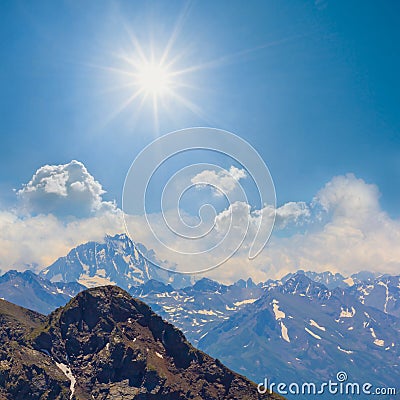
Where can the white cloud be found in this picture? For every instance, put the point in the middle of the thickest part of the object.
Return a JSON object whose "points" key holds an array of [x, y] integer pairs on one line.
{"points": [[343, 229], [63, 190], [292, 213], [223, 181], [355, 233], [347, 196], [233, 228], [59, 208], [41, 239]]}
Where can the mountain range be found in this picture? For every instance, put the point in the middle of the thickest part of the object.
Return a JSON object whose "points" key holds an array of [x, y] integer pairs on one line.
{"points": [[306, 325], [106, 345], [301, 331], [36, 293]]}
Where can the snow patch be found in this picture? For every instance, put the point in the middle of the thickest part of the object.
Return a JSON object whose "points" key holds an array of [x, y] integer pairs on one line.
{"points": [[346, 313], [248, 301], [387, 295], [102, 272], [201, 337], [313, 323], [313, 334], [279, 314], [93, 281], [345, 351], [284, 332], [378, 342], [67, 372], [349, 281], [207, 312]]}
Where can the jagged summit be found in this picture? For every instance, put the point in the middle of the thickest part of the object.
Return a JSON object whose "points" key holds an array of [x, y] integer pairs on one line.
{"points": [[300, 284], [208, 285], [330, 279], [117, 261]]}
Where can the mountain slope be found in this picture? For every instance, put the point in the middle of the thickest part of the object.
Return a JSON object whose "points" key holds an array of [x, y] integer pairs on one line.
{"points": [[382, 292], [301, 331], [116, 261], [36, 293], [25, 372], [196, 309], [106, 345]]}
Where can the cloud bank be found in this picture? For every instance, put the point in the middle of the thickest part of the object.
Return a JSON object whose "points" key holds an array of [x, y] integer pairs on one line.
{"points": [[343, 228]]}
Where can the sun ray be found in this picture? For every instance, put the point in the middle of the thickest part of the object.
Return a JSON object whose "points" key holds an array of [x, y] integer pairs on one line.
{"points": [[158, 74], [177, 29]]}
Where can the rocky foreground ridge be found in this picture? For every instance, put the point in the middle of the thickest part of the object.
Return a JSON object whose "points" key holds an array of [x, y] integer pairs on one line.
{"points": [[104, 344]]}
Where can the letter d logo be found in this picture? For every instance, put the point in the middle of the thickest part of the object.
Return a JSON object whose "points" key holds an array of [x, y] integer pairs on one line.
{"points": [[263, 387]]}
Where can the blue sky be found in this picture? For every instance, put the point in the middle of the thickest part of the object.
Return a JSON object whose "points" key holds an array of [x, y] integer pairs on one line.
{"points": [[312, 85], [320, 99]]}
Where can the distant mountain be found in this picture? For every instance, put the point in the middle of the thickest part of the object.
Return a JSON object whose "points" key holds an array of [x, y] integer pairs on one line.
{"points": [[36, 293], [105, 345], [150, 287], [372, 289], [363, 277], [117, 261], [327, 278], [302, 327], [381, 292], [196, 309], [301, 331]]}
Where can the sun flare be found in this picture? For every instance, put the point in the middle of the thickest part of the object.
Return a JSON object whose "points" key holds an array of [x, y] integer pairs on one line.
{"points": [[154, 79]]}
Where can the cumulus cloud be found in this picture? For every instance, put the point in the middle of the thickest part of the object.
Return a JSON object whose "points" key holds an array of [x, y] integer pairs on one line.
{"points": [[347, 232], [237, 231], [289, 214], [348, 197], [59, 208], [223, 181], [63, 190], [343, 229]]}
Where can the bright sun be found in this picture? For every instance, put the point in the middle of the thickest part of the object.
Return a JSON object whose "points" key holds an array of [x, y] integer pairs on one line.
{"points": [[154, 79]]}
